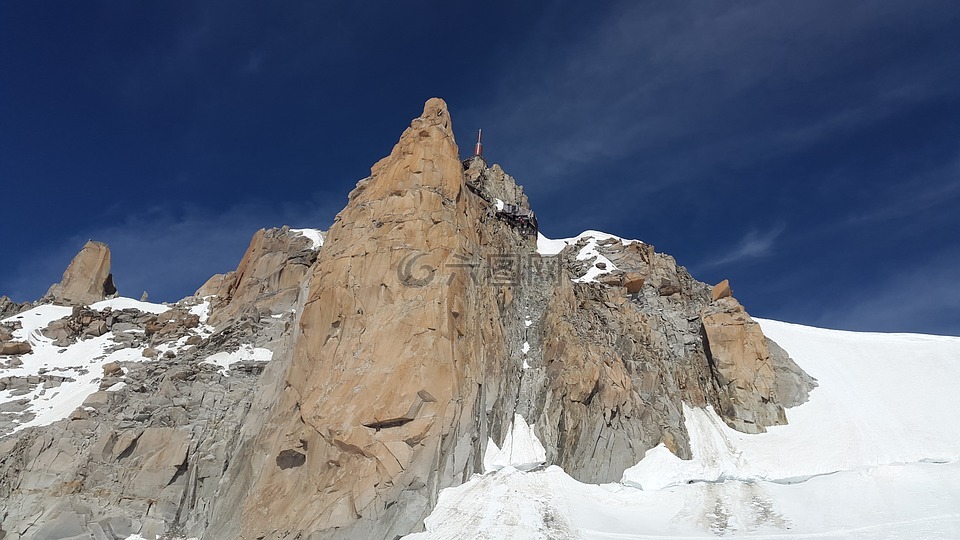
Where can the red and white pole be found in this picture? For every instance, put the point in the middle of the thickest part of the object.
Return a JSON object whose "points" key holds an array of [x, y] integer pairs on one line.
{"points": [[478, 149]]}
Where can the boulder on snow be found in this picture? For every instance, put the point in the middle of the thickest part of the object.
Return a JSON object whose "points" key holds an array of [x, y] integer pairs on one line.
{"points": [[111, 369], [14, 347]]}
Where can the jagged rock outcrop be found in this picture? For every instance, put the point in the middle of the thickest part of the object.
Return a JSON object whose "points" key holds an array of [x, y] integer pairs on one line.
{"points": [[742, 368], [87, 279], [9, 308], [620, 359], [386, 391], [8, 345], [267, 279], [721, 290]]}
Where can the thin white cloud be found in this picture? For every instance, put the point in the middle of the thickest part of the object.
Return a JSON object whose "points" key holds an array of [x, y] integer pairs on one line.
{"points": [[658, 80], [754, 244], [254, 63], [921, 296], [913, 195]]}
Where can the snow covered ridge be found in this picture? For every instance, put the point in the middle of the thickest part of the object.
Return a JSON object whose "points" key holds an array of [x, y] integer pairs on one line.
{"points": [[875, 452], [56, 378], [547, 246], [600, 265]]}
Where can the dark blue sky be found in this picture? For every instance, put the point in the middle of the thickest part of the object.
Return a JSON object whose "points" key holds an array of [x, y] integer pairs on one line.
{"points": [[809, 151]]}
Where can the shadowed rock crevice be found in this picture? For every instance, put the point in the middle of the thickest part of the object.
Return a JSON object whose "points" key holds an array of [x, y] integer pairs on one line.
{"points": [[386, 424], [288, 459]]}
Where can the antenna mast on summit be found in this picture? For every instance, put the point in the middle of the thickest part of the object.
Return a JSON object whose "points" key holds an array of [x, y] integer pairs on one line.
{"points": [[478, 149]]}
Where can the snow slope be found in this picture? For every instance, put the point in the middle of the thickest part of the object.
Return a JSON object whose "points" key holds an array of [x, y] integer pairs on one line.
{"points": [[550, 247], [521, 449], [81, 363], [246, 353], [875, 453]]}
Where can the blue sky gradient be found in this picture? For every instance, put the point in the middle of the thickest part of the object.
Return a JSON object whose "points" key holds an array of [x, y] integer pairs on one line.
{"points": [[809, 151]]}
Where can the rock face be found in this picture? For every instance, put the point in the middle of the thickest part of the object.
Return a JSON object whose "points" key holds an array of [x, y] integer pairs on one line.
{"points": [[147, 453], [422, 340], [618, 361], [402, 351], [388, 385], [9, 308], [87, 280], [267, 279], [741, 367]]}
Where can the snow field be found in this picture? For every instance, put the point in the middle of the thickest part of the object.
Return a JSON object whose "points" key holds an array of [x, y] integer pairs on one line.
{"points": [[83, 361], [874, 453]]}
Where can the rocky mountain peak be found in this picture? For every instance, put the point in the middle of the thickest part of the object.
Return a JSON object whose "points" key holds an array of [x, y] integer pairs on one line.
{"points": [[426, 156], [87, 279]]}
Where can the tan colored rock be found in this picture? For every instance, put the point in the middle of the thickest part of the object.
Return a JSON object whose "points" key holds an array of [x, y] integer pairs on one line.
{"points": [[112, 369], [741, 367], [155, 460], [96, 328], [15, 347], [267, 279], [633, 282], [217, 285], [97, 400], [721, 290], [613, 279], [87, 280], [384, 381]]}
